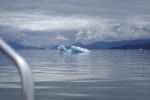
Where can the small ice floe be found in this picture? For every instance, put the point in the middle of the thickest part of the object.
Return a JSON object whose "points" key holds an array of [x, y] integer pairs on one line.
{"points": [[73, 49], [140, 49]]}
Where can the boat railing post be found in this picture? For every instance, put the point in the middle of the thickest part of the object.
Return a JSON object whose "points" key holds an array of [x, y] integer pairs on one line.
{"points": [[23, 67]]}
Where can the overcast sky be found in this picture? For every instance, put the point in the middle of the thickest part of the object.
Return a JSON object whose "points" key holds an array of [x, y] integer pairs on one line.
{"points": [[67, 21]]}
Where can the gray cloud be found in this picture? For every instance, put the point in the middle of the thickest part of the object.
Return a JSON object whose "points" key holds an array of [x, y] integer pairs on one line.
{"points": [[60, 37], [9, 33], [115, 32], [113, 10], [28, 21], [39, 38]]}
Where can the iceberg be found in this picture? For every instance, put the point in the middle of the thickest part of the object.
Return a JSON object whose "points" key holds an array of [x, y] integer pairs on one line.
{"points": [[62, 48], [73, 49]]}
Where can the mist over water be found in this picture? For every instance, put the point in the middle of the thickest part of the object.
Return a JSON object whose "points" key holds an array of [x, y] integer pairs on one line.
{"points": [[99, 75]]}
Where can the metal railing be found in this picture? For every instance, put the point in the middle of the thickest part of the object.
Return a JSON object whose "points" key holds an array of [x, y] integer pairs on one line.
{"points": [[25, 72]]}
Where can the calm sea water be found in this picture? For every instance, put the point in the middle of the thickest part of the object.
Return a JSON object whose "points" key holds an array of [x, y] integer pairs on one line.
{"points": [[99, 75]]}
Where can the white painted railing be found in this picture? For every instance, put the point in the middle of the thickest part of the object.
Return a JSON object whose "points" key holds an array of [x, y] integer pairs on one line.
{"points": [[25, 72]]}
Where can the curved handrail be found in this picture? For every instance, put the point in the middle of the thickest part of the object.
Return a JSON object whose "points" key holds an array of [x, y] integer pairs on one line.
{"points": [[25, 72]]}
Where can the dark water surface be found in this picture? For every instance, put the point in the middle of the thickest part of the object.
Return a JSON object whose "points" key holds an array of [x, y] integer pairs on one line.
{"points": [[99, 75]]}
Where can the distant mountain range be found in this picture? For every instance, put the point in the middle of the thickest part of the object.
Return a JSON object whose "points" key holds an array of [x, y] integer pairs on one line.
{"points": [[78, 44], [56, 46], [18, 46], [132, 44], [47, 47], [108, 45]]}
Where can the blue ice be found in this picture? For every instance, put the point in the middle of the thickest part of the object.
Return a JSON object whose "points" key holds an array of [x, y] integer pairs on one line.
{"points": [[73, 49]]}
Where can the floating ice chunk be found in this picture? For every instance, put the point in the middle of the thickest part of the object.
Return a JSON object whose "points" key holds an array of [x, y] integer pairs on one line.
{"points": [[76, 49], [73, 49], [62, 48]]}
